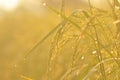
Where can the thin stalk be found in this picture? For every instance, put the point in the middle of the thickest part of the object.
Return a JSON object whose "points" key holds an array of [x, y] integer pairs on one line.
{"points": [[62, 7], [100, 58], [63, 16], [113, 10], [89, 1], [91, 71], [115, 17]]}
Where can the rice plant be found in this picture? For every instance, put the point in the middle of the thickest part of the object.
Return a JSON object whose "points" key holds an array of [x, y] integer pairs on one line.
{"points": [[88, 43]]}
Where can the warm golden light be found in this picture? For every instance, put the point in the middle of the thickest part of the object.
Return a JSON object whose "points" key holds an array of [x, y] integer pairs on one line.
{"points": [[8, 4]]}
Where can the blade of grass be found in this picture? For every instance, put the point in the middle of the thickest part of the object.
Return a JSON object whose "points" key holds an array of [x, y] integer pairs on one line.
{"points": [[63, 16], [94, 68], [44, 38]]}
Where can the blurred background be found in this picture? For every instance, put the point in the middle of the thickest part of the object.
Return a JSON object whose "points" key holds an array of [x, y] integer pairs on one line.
{"points": [[22, 24]]}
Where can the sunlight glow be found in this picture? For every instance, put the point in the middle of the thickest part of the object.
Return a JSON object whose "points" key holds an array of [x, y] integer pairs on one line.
{"points": [[8, 4]]}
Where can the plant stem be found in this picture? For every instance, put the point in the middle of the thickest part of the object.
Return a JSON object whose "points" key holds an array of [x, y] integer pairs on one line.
{"points": [[100, 58]]}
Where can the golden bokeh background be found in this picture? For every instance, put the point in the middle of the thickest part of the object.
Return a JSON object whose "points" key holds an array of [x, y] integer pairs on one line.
{"points": [[21, 27]]}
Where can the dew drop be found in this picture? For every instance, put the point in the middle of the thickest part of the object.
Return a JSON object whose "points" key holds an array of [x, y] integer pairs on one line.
{"points": [[117, 21], [82, 57], [112, 52], [59, 15], [50, 69], [116, 58], [99, 57], [94, 52], [44, 4], [96, 42], [15, 65], [109, 72], [77, 73], [117, 7]]}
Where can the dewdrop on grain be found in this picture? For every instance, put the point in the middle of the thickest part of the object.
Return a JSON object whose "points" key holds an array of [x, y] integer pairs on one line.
{"points": [[15, 66], [59, 15], [116, 58], [96, 42], [94, 52], [111, 52], [116, 7], [116, 22], [44, 4], [82, 57], [77, 73], [109, 72], [25, 78], [99, 57]]}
